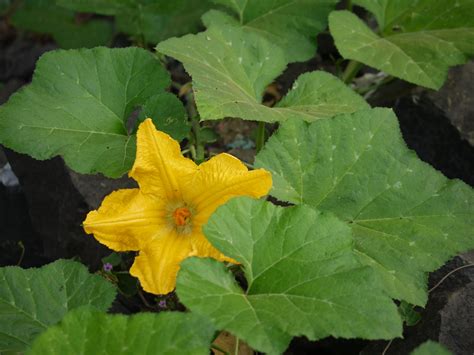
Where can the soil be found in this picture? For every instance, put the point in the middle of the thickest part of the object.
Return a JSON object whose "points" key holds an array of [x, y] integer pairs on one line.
{"points": [[45, 211]]}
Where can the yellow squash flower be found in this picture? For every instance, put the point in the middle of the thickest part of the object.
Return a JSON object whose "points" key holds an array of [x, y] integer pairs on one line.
{"points": [[163, 219]]}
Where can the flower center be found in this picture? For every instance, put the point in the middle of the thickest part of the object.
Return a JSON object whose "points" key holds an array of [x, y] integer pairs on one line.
{"points": [[181, 216]]}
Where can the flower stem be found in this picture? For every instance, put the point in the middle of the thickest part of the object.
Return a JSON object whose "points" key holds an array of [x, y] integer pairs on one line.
{"points": [[199, 146], [349, 5], [22, 247], [351, 71], [260, 136], [236, 352]]}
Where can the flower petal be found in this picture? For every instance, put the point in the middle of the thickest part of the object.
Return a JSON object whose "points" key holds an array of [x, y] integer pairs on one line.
{"points": [[126, 220], [159, 163], [204, 249], [157, 265], [220, 179]]}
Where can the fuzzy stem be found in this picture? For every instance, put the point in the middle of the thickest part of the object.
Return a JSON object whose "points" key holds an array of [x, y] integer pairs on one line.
{"points": [[260, 136], [197, 140], [236, 352], [351, 71]]}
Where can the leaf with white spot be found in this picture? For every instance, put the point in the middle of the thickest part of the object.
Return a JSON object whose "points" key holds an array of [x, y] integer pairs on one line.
{"points": [[78, 105], [168, 115], [85, 331], [419, 41], [31, 300], [303, 278], [231, 69], [407, 218], [291, 24]]}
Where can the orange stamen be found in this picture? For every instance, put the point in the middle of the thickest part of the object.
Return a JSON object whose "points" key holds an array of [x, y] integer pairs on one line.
{"points": [[181, 216]]}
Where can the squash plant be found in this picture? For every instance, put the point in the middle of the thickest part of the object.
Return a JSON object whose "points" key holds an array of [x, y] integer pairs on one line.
{"points": [[364, 219]]}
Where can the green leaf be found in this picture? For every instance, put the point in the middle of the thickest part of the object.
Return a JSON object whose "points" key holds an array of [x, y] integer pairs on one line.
{"points": [[85, 331], [152, 20], [4, 6], [409, 315], [33, 299], [44, 16], [290, 24], [406, 217], [231, 69], [430, 348], [113, 259], [78, 104], [420, 42], [303, 278], [411, 16], [319, 95], [168, 114]]}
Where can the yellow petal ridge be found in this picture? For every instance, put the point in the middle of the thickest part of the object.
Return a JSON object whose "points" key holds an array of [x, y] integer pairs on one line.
{"points": [[157, 265], [126, 220], [221, 178], [159, 163]]}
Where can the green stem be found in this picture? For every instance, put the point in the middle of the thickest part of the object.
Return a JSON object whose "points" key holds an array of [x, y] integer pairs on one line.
{"points": [[236, 352], [197, 140], [375, 87], [349, 5], [22, 255], [351, 71], [260, 136]]}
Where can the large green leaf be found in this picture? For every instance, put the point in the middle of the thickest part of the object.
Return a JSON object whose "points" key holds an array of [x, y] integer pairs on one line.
{"points": [[45, 17], [85, 331], [78, 104], [33, 299], [291, 24], [303, 278], [231, 69], [152, 20], [406, 217], [420, 40]]}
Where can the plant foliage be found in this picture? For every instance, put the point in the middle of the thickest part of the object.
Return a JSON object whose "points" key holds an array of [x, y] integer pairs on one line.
{"points": [[417, 40], [87, 331], [406, 217], [79, 104], [31, 300], [303, 278]]}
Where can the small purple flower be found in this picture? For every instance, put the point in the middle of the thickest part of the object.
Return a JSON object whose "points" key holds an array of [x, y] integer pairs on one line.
{"points": [[108, 267], [162, 304]]}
